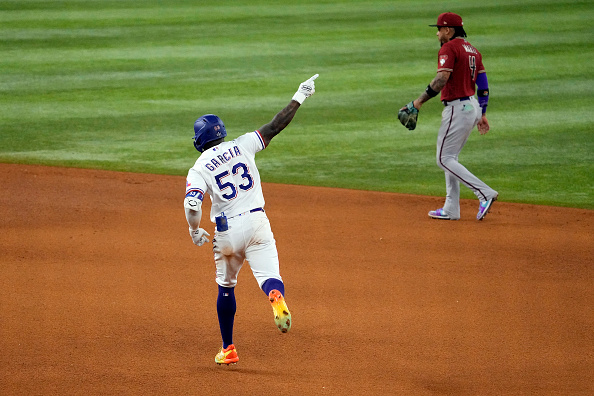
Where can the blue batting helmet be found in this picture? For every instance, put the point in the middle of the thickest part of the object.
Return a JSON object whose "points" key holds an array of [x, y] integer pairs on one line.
{"points": [[207, 128]]}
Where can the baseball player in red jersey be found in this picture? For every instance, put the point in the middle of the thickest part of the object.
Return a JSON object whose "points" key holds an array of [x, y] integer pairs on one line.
{"points": [[227, 172], [460, 68]]}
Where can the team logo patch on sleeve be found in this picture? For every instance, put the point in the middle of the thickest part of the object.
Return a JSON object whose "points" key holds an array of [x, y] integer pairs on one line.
{"points": [[195, 193], [442, 59]]}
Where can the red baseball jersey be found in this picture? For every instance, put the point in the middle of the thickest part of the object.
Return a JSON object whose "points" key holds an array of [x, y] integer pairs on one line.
{"points": [[465, 63]]}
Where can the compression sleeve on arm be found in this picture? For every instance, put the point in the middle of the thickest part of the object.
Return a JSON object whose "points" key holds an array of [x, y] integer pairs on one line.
{"points": [[482, 91]]}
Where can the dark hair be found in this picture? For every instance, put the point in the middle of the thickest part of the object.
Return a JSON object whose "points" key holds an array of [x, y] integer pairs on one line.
{"points": [[459, 32]]}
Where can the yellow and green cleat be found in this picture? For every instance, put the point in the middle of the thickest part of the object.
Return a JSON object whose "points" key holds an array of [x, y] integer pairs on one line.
{"points": [[282, 315], [227, 355]]}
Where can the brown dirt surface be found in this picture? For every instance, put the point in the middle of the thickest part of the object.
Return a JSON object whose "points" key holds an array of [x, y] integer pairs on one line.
{"points": [[103, 293]]}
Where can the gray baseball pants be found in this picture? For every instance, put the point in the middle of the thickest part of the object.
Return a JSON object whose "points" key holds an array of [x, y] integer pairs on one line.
{"points": [[457, 122]]}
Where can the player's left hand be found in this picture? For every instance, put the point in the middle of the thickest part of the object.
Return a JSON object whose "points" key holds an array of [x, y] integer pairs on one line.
{"points": [[408, 116], [483, 125], [199, 236], [306, 89]]}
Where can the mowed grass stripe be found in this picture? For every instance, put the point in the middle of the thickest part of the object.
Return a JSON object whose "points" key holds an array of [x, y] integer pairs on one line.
{"points": [[117, 85]]}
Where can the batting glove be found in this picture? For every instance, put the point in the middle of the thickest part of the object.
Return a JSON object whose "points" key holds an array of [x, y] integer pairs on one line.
{"points": [[306, 89], [199, 236]]}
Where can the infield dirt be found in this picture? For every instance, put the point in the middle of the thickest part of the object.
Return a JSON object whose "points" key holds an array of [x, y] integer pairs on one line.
{"points": [[103, 293]]}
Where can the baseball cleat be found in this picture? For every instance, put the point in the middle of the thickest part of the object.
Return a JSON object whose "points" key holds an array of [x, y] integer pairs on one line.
{"points": [[227, 355], [282, 316], [439, 214], [484, 208]]}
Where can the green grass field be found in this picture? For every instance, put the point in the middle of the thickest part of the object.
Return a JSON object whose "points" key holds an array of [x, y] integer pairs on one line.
{"points": [[118, 84]]}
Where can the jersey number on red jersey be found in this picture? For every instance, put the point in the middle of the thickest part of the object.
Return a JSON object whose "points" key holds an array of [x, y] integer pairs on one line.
{"points": [[472, 64]]}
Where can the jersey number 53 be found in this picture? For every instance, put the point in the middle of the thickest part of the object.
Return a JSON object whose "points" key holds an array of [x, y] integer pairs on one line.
{"points": [[246, 178]]}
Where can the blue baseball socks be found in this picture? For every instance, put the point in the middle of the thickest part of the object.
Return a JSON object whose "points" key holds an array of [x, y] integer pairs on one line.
{"points": [[271, 284], [226, 307]]}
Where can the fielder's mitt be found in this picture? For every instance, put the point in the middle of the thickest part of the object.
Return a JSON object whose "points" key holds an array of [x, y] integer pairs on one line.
{"points": [[408, 116]]}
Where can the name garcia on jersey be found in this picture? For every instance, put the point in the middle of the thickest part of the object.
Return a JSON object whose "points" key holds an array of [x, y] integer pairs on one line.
{"points": [[223, 158]]}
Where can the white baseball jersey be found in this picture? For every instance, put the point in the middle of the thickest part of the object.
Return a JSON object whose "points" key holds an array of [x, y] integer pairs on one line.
{"points": [[228, 173]]}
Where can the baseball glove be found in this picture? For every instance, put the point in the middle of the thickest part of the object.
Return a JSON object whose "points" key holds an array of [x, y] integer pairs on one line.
{"points": [[408, 116]]}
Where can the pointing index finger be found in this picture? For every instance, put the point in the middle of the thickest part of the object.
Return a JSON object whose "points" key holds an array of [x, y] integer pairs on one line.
{"points": [[314, 77]]}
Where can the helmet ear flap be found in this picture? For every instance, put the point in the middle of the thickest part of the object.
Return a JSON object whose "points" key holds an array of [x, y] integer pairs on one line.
{"points": [[198, 127], [197, 145]]}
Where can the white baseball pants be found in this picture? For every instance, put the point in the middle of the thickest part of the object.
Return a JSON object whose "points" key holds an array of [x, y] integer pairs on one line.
{"points": [[250, 238]]}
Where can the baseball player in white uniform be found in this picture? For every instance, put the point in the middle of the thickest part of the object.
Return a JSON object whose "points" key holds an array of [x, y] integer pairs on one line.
{"points": [[227, 172]]}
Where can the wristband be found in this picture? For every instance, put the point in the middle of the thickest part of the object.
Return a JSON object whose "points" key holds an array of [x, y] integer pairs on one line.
{"points": [[430, 91], [299, 97], [483, 98]]}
